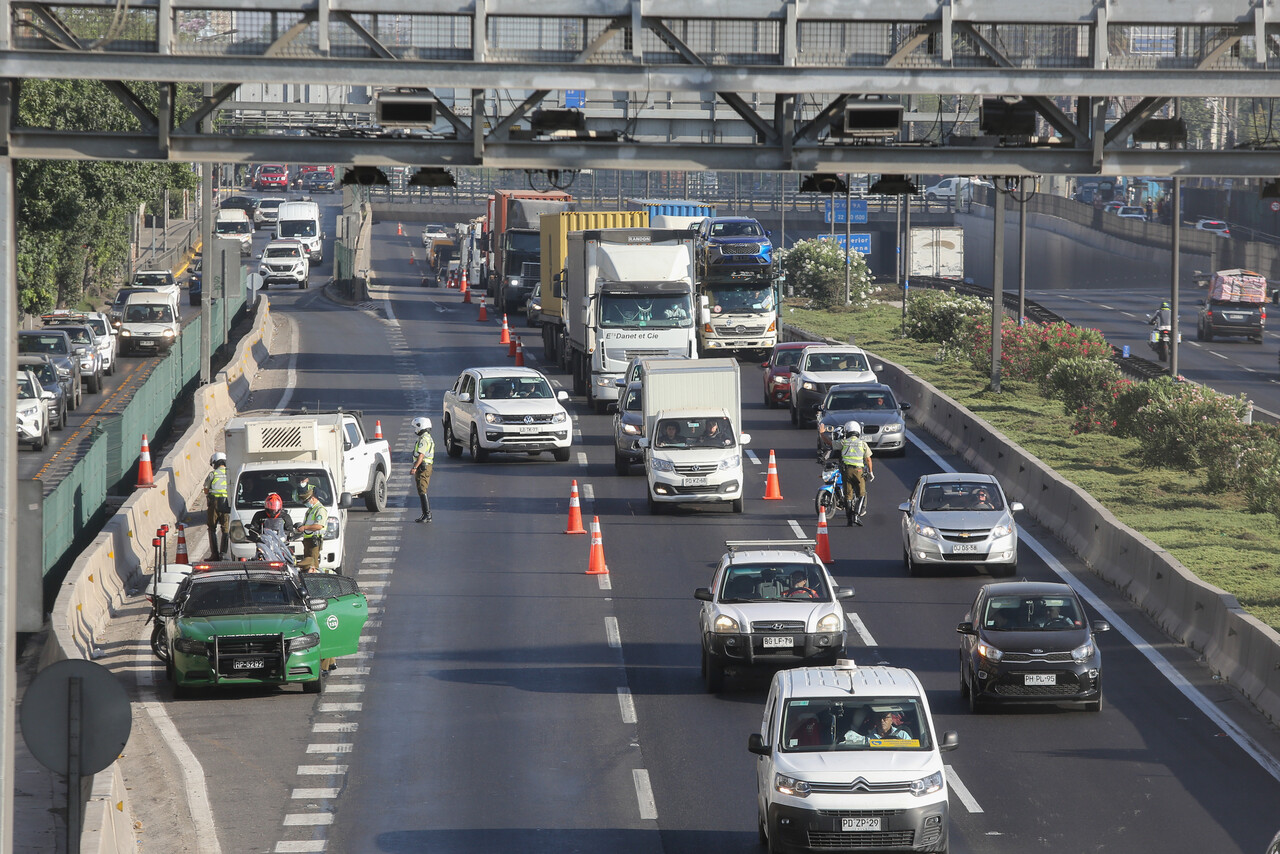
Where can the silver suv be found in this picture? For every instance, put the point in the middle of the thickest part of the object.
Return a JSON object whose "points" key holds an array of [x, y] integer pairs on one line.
{"points": [[285, 262], [55, 343]]}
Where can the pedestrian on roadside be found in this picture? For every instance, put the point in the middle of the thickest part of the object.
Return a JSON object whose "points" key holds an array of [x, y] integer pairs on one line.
{"points": [[312, 528], [217, 508], [424, 454]]}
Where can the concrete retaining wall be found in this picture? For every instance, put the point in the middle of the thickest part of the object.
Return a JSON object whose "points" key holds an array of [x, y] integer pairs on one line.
{"points": [[99, 582], [1245, 651]]}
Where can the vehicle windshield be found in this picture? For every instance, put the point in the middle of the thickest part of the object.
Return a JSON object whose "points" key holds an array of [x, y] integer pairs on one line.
{"points": [[736, 229], [79, 334], [694, 433], [98, 325], [283, 252], [152, 280], [1031, 613], [740, 298], [273, 170], [26, 391], [818, 724], [515, 388], [220, 596], [874, 401], [43, 344], [960, 496], [46, 373], [821, 362], [526, 242], [235, 226], [122, 296], [787, 358], [269, 204], [769, 582], [298, 228], [146, 313], [253, 487], [634, 400], [667, 311]]}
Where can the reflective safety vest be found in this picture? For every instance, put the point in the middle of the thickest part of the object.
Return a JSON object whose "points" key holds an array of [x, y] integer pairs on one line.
{"points": [[216, 482], [426, 448], [316, 515], [854, 452]]}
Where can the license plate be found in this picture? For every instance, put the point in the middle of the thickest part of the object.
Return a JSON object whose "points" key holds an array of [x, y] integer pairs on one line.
{"points": [[779, 642], [695, 481], [860, 824], [964, 548], [248, 664], [528, 429], [1040, 679], [146, 343]]}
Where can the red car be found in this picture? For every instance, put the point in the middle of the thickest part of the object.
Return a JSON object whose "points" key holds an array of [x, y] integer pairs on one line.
{"points": [[777, 372], [271, 176]]}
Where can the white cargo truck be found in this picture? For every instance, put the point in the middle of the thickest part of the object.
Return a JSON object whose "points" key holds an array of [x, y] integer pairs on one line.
{"points": [[628, 293], [693, 437], [285, 453]]}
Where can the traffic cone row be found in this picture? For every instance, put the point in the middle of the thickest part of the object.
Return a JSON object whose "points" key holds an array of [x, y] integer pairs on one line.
{"points": [[519, 353], [181, 555], [146, 477], [575, 513], [484, 315], [824, 540], [772, 492], [506, 334], [596, 564]]}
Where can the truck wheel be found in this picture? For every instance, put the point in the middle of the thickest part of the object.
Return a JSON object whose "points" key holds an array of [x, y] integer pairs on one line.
{"points": [[478, 454], [375, 500], [452, 446], [579, 374]]}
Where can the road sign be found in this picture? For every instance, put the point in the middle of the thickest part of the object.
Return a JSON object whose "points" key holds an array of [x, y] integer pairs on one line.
{"points": [[1274, 205], [861, 243], [575, 99], [858, 207]]}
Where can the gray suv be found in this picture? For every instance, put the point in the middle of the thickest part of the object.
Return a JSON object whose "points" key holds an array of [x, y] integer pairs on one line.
{"points": [[56, 344], [88, 353]]}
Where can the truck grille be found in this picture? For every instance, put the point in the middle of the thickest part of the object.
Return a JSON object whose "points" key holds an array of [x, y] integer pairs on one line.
{"points": [[730, 329], [628, 355]]}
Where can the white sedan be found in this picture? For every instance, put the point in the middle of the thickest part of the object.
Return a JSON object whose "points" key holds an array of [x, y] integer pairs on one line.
{"points": [[510, 410]]}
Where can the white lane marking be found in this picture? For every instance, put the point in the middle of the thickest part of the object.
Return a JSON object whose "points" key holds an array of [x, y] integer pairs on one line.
{"points": [[321, 770], [644, 793], [1216, 353], [628, 705], [751, 455], [1104, 305], [385, 528], [796, 529], [588, 492], [329, 748], [611, 633], [345, 689], [582, 459], [605, 583], [365, 560], [344, 727], [303, 794], [382, 538], [961, 790], [310, 846], [861, 629], [1245, 741], [375, 570], [308, 819], [384, 548]]}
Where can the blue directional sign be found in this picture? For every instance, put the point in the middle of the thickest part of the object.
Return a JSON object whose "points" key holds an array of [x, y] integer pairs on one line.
{"points": [[858, 207], [575, 99], [861, 243]]}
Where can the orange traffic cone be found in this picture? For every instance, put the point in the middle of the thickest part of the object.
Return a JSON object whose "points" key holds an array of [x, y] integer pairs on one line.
{"points": [[506, 334], [511, 346], [181, 555], [484, 315], [772, 492], [519, 353], [399, 229], [824, 541], [145, 475], [377, 429], [575, 513], [466, 292], [410, 259], [466, 288], [596, 565]]}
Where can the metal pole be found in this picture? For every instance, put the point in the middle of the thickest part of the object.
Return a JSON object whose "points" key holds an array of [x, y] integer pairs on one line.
{"points": [[897, 243], [904, 249], [997, 292], [8, 474], [782, 196], [206, 254], [848, 204], [1174, 275], [164, 236], [832, 202], [1022, 259]]}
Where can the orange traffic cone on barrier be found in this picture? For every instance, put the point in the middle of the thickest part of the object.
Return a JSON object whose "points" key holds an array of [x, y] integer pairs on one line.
{"points": [[772, 492], [824, 541], [519, 353], [506, 334], [575, 513], [145, 476], [181, 555], [399, 229], [484, 315], [596, 565], [377, 429]]}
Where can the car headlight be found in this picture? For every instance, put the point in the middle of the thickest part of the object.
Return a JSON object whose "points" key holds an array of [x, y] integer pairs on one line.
{"points": [[781, 380], [732, 462], [264, 270], [331, 528], [306, 641], [125, 333], [65, 373], [1001, 531], [630, 430], [604, 382], [168, 333], [829, 623], [514, 281], [891, 428], [661, 465], [927, 785], [989, 652], [191, 646], [1082, 653], [559, 418], [725, 625], [790, 786], [492, 418], [808, 386], [925, 531]]}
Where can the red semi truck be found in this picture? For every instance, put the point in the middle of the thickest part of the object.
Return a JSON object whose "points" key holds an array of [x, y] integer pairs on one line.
{"points": [[513, 243]]}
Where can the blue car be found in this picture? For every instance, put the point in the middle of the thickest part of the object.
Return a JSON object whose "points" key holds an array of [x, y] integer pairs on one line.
{"points": [[728, 243]]}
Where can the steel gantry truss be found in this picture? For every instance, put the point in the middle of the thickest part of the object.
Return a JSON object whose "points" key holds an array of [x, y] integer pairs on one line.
{"points": [[762, 79]]}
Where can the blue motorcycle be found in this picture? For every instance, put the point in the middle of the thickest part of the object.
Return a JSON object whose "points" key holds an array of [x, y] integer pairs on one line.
{"points": [[830, 497]]}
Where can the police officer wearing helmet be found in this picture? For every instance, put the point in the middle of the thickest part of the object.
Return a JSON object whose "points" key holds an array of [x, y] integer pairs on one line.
{"points": [[217, 508], [424, 455], [855, 462], [1162, 318]]}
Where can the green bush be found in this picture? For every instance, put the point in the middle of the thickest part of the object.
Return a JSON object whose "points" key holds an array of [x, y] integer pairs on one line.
{"points": [[1181, 422], [941, 315], [1246, 457], [816, 270], [1087, 387], [1028, 352], [1124, 408]]}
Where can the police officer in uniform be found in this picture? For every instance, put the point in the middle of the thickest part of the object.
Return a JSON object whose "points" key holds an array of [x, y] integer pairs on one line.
{"points": [[855, 459], [424, 453], [217, 510], [312, 529]]}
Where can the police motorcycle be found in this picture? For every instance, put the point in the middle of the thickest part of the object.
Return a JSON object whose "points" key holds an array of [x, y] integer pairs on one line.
{"points": [[830, 497]]}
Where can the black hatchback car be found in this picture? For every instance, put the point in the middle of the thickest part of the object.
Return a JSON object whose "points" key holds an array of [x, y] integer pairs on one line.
{"points": [[1030, 642]]}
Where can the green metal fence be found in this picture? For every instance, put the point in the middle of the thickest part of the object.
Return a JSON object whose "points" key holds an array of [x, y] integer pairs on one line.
{"points": [[111, 453]]}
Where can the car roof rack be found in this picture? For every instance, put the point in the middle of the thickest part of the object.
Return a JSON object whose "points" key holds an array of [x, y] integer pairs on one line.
{"points": [[770, 545]]}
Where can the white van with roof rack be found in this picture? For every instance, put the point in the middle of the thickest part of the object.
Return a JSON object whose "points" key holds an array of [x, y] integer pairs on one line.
{"points": [[848, 758]]}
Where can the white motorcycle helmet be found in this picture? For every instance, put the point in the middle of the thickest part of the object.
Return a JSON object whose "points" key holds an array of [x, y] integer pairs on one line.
{"points": [[852, 428], [218, 457], [421, 425]]}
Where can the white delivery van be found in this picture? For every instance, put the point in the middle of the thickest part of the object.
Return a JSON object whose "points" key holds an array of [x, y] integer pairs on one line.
{"points": [[150, 322], [847, 758], [234, 224], [301, 221]]}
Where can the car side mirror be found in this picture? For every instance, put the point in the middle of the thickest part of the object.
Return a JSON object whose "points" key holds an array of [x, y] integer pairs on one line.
{"points": [[642, 442], [167, 609], [702, 594], [844, 592], [236, 533], [1016, 507], [877, 368], [562, 395], [966, 628], [905, 507], [756, 745], [745, 439], [1100, 626], [706, 314], [904, 406], [344, 500], [950, 741], [318, 604], [346, 445], [464, 397], [620, 382], [764, 364], [611, 406], [48, 395]]}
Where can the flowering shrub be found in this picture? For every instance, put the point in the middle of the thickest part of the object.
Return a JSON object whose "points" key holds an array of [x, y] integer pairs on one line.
{"points": [[1087, 388], [1028, 352], [1181, 421], [941, 315], [816, 269]]}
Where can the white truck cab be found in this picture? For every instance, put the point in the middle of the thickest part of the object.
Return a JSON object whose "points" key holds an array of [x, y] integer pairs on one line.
{"points": [[847, 757]]}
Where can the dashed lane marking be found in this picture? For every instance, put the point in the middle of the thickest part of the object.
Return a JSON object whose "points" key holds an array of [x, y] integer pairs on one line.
{"points": [[309, 846], [796, 529], [582, 459], [309, 819], [751, 455], [628, 705], [343, 727], [322, 770], [611, 633], [319, 794], [329, 748], [588, 492], [961, 790], [861, 629], [644, 794], [605, 583]]}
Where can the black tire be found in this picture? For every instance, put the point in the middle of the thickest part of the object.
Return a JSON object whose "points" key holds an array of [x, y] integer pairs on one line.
{"points": [[62, 416], [110, 369], [561, 455], [976, 706], [452, 446], [478, 454], [158, 648], [712, 673], [1200, 330], [913, 568], [656, 508], [1208, 333], [314, 687], [1095, 706], [375, 500], [302, 286], [621, 465], [769, 402], [964, 685], [579, 374], [44, 438], [95, 383], [824, 500], [739, 504], [795, 416]]}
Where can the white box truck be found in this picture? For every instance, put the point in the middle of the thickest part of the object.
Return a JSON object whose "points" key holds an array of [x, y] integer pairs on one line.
{"points": [[628, 293], [693, 437]]}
